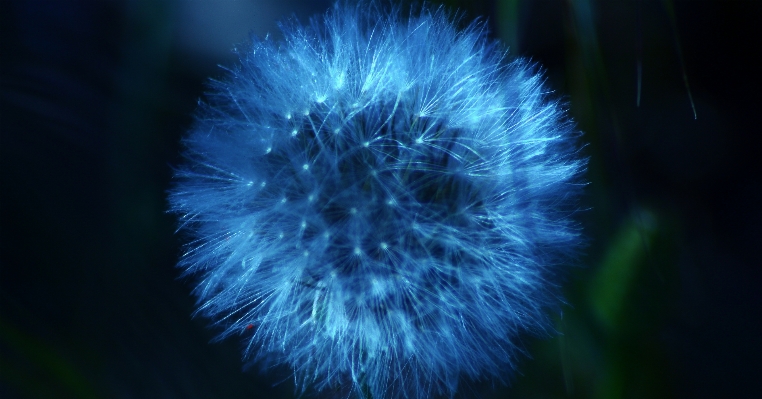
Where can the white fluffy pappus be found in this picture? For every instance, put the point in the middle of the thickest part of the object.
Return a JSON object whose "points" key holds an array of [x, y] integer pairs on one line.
{"points": [[381, 202]]}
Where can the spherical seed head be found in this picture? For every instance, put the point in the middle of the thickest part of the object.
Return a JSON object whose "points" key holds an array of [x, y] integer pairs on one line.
{"points": [[384, 200]]}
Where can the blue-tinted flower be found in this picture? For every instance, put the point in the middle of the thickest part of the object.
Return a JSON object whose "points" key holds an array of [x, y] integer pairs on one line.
{"points": [[379, 202]]}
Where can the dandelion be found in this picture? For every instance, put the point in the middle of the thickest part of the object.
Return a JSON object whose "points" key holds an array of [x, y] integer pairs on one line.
{"points": [[380, 202]]}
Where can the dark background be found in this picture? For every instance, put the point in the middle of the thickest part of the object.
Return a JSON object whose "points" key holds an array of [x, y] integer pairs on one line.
{"points": [[95, 96]]}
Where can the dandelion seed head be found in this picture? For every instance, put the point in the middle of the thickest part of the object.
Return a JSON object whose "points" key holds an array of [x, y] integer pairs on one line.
{"points": [[420, 188]]}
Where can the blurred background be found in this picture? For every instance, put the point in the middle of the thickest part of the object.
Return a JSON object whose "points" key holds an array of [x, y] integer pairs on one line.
{"points": [[95, 95]]}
